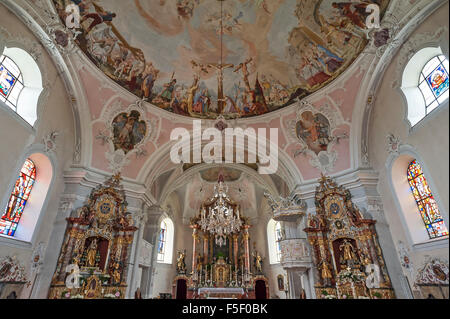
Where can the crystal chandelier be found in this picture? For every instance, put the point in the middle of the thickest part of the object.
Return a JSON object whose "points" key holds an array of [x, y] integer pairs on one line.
{"points": [[220, 218]]}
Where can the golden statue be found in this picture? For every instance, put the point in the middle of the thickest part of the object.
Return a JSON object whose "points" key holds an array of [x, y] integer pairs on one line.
{"points": [[348, 250], [326, 272], [258, 262], [199, 262], [116, 273], [181, 265], [92, 253]]}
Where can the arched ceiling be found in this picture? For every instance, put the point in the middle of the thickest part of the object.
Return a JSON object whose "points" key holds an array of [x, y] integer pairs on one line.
{"points": [[293, 48], [184, 192]]}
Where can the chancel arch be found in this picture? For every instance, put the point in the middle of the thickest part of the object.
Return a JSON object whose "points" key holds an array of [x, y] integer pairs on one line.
{"points": [[139, 225]]}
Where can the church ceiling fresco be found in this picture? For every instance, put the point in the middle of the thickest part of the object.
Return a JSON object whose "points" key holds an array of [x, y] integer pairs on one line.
{"points": [[168, 52]]}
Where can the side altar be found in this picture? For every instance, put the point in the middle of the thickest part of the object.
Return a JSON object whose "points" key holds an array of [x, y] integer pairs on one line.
{"points": [[93, 262], [346, 252], [221, 258]]}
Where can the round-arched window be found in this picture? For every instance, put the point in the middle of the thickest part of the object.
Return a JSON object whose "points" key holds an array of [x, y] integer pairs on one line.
{"points": [[434, 82], [11, 82]]}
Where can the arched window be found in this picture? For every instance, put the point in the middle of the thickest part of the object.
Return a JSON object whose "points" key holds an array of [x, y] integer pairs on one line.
{"points": [[20, 83], [11, 82], [162, 241], [433, 82], [18, 199], [278, 238], [428, 207], [165, 241], [425, 83], [274, 238]]}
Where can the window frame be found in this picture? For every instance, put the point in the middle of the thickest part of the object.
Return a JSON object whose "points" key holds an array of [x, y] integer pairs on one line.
{"points": [[278, 239], [163, 227], [19, 198], [421, 202], [441, 59], [18, 79]]}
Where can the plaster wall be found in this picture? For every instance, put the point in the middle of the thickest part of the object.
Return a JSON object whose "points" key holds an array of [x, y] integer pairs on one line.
{"points": [[17, 137], [429, 139]]}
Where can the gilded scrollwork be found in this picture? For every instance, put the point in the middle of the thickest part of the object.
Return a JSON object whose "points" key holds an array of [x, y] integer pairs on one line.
{"points": [[98, 240], [348, 258]]}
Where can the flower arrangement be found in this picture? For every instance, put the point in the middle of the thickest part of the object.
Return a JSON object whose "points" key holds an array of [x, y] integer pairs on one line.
{"points": [[348, 275], [326, 295], [65, 294], [377, 295]]}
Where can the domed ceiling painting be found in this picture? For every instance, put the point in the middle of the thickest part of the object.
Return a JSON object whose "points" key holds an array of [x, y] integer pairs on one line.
{"points": [[173, 54]]}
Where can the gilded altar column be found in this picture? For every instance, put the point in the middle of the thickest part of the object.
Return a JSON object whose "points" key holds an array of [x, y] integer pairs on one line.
{"points": [[205, 248], [247, 250], [235, 249], [194, 246]]}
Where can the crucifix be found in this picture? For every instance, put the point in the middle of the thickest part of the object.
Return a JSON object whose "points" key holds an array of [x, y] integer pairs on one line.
{"points": [[220, 97], [220, 67]]}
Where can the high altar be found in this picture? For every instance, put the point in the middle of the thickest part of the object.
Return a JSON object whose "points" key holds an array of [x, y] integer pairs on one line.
{"points": [[348, 258], [221, 266], [97, 244]]}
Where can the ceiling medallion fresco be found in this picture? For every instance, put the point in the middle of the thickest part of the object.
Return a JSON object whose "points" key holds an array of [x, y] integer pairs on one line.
{"points": [[168, 52]]}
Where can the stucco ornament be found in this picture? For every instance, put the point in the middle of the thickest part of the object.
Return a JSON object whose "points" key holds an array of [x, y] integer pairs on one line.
{"points": [[49, 141], [130, 122], [37, 258], [314, 130], [434, 272], [11, 270], [393, 144]]}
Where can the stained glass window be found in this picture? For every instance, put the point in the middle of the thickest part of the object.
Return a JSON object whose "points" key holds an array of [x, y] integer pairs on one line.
{"points": [[18, 199], [434, 82], [278, 238], [425, 201], [162, 241], [11, 82]]}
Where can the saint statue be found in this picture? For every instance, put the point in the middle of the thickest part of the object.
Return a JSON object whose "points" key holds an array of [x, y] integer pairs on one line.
{"points": [[92, 253], [181, 265], [199, 262], [116, 273], [326, 272], [258, 262], [348, 249]]}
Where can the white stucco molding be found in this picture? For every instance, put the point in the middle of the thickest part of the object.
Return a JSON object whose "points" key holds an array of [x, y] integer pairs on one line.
{"points": [[40, 18], [408, 23]]}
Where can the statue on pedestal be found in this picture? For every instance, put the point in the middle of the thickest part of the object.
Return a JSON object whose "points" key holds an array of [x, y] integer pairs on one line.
{"points": [[199, 262], [258, 262], [347, 252], [92, 255], [181, 264], [116, 273], [326, 272]]}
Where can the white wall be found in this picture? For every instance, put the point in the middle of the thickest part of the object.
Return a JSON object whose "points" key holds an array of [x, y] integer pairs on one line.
{"points": [[16, 137], [429, 139]]}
